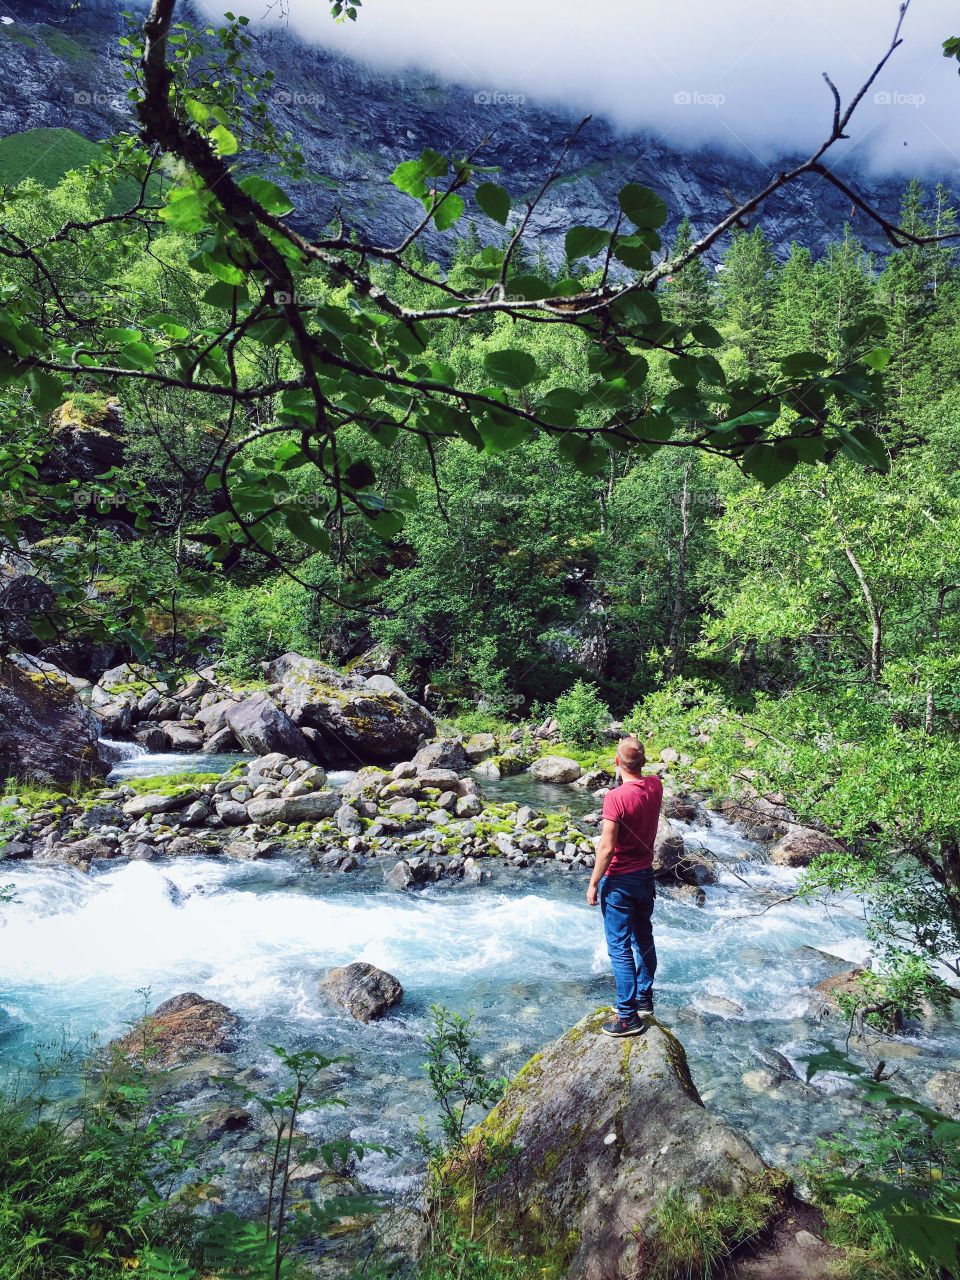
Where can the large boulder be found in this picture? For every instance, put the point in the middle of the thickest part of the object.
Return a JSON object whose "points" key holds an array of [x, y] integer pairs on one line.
{"points": [[366, 992], [801, 845], [157, 802], [943, 1087], [588, 1139], [348, 719], [555, 769], [260, 726], [47, 736], [179, 1030]]}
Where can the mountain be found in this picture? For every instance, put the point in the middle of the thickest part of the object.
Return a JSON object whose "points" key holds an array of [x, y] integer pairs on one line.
{"points": [[60, 70]]}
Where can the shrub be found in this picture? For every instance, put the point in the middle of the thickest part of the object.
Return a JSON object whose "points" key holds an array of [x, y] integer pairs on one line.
{"points": [[581, 714]]}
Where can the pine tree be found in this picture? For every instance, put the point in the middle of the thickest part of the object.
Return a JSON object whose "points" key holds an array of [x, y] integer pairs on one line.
{"points": [[848, 295], [747, 290], [798, 307], [687, 296]]}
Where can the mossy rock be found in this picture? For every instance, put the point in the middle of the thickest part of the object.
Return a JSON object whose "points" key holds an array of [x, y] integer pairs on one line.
{"points": [[592, 1122]]}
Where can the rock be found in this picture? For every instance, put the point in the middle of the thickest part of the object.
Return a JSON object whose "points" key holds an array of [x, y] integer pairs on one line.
{"points": [[668, 852], [679, 808], [186, 847], [669, 756], [840, 984], [232, 813], [399, 876], [548, 729], [349, 821], [213, 716], [383, 684], [469, 807], [687, 893], [472, 871], [351, 720], [181, 1029], [944, 1088], [801, 845], [478, 746], [77, 853], [595, 1129], [221, 1121], [366, 992], [696, 869], [404, 808], [442, 779], [153, 802], [151, 737], [555, 769], [260, 726], [446, 753], [294, 809], [220, 742], [719, 1006], [47, 736], [181, 736]]}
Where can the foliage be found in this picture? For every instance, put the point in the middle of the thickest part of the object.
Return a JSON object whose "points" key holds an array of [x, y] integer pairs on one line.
{"points": [[581, 714], [457, 1078], [693, 1236], [893, 1183]]}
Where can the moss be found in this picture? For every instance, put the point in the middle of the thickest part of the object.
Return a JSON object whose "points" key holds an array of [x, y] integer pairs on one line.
{"points": [[60, 44], [171, 784]]}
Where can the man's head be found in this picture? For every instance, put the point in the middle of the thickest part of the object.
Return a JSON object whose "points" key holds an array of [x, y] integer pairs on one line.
{"points": [[630, 756]]}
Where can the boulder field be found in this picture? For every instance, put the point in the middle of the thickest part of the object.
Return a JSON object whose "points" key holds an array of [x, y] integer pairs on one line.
{"points": [[424, 820]]}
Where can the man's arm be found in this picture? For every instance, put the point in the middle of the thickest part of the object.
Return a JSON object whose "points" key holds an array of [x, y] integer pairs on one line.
{"points": [[608, 842]]}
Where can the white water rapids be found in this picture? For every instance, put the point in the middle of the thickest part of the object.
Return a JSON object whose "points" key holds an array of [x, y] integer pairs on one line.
{"points": [[524, 953]]}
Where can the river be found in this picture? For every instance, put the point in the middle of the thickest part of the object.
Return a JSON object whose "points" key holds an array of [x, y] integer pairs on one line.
{"points": [[522, 952]]}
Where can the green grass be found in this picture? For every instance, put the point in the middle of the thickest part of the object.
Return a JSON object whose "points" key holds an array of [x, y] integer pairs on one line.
{"points": [[18, 37], [169, 784], [45, 155], [63, 47], [694, 1236]]}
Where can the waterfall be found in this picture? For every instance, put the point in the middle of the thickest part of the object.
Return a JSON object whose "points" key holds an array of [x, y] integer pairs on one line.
{"points": [[111, 750]]}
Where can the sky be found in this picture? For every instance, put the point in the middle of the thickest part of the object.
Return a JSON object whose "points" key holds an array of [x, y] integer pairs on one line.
{"points": [[741, 73]]}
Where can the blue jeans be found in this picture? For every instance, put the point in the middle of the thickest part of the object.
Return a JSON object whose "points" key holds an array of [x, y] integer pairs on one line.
{"points": [[626, 902]]}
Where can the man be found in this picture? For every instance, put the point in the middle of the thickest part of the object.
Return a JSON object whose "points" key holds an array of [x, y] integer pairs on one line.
{"points": [[623, 881]]}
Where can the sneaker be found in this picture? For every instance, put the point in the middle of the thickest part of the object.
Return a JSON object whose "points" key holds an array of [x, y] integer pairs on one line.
{"points": [[645, 1003], [618, 1026]]}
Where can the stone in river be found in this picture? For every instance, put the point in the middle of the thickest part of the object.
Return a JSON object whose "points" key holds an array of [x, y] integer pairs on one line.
{"points": [[591, 1133], [179, 1030], [260, 726], [801, 845], [719, 1006], [944, 1088], [154, 802], [555, 769], [294, 809], [366, 992], [445, 753]]}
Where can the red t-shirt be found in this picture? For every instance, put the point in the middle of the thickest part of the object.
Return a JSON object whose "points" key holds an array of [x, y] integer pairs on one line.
{"points": [[635, 806]]}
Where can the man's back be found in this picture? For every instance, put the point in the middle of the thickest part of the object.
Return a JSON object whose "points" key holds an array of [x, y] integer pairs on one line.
{"points": [[635, 807]]}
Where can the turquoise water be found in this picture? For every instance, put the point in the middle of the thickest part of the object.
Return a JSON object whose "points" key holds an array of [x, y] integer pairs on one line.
{"points": [[522, 952]]}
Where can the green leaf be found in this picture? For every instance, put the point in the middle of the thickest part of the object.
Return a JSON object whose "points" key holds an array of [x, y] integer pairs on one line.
{"points": [[877, 359], [46, 390], [769, 463], [864, 446], [306, 529], [512, 368], [448, 212], [803, 364], [267, 194], [494, 201], [585, 242], [589, 458], [642, 206], [706, 335], [224, 141]]}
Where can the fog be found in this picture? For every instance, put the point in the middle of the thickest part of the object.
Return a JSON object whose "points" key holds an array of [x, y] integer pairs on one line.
{"points": [[740, 73]]}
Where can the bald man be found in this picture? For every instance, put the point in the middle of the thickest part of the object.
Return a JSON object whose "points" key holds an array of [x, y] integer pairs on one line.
{"points": [[622, 882]]}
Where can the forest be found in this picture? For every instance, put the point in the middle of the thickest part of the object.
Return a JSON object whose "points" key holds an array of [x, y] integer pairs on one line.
{"points": [[703, 489]]}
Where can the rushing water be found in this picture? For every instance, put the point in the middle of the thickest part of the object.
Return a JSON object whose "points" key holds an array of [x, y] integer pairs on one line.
{"points": [[522, 952]]}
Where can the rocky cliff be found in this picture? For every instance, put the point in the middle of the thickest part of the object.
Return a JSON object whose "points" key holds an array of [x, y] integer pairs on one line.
{"points": [[60, 69]]}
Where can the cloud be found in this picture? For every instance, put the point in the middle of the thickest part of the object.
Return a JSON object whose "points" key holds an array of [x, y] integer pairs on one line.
{"points": [[745, 74]]}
